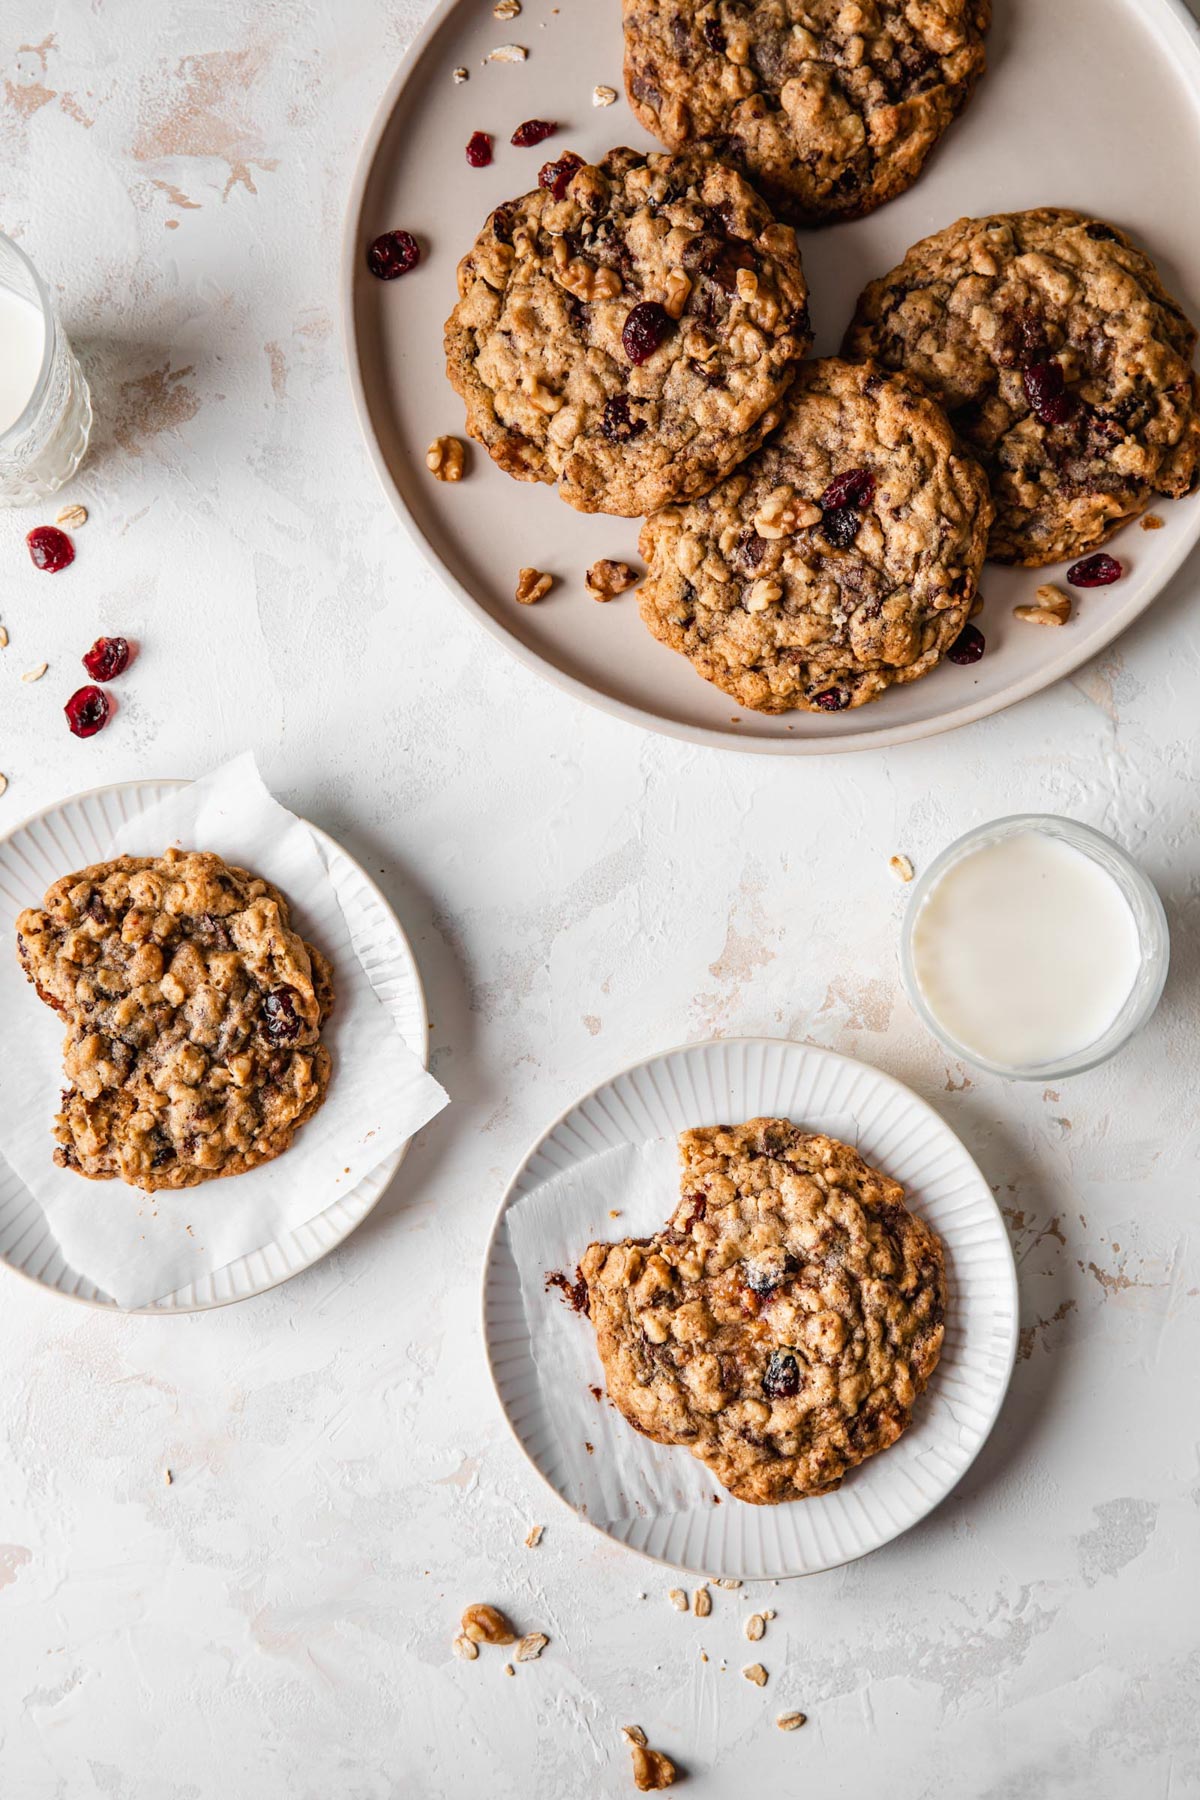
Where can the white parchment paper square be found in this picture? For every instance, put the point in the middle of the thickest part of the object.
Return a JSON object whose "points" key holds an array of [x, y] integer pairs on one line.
{"points": [[623, 1475], [139, 1247]]}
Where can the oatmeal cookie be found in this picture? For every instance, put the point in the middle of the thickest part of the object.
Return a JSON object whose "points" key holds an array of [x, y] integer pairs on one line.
{"points": [[786, 1320], [830, 107], [632, 340], [839, 560], [1062, 361], [192, 1011]]}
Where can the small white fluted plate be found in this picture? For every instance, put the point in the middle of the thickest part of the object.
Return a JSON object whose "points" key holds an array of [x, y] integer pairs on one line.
{"points": [[77, 832], [727, 1081]]}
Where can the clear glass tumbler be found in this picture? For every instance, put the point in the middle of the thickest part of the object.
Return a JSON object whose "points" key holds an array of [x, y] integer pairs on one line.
{"points": [[45, 445]]}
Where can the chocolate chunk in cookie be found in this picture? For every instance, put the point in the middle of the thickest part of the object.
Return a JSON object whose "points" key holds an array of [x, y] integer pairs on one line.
{"points": [[841, 559], [785, 1322], [193, 1014], [1062, 361], [632, 338], [830, 107]]}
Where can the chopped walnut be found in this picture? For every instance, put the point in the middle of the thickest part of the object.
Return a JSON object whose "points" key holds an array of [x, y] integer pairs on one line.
{"points": [[651, 1770], [487, 1625], [531, 1646], [606, 578], [901, 868], [783, 512], [756, 1673], [702, 1603], [539, 396], [534, 1536], [747, 284], [678, 1599], [756, 1625], [791, 1721], [603, 96], [678, 287], [582, 278], [698, 345], [444, 458], [1053, 607], [764, 593], [532, 586], [464, 1647]]}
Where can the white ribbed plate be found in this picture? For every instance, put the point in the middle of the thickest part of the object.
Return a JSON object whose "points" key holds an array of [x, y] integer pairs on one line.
{"points": [[728, 1081], [77, 832]]}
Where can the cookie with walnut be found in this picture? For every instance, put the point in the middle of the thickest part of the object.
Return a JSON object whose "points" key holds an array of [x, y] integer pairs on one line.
{"points": [[784, 1324], [830, 107], [1063, 362], [839, 561], [193, 1014], [630, 331]]}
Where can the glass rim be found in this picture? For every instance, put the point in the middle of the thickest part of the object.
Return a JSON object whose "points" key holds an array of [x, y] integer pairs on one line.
{"points": [[1139, 892], [29, 411]]}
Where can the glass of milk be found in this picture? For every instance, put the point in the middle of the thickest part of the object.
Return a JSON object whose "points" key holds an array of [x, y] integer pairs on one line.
{"points": [[1034, 947], [45, 407]]}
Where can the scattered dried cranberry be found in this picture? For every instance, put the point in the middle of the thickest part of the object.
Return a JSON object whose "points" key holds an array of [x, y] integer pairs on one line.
{"points": [[841, 526], [106, 658], [281, 1022], [395, 253], [50, 548], [617, 421], [1095, 571], [557, 175], [479, 150], [834, 699], [782, 1378], [648, 326], [1046, 392], [533, 131], [87, 711], [968, 646], [855, 488]]}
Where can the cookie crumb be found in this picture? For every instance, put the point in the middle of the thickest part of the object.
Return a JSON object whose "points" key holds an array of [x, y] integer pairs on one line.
{"points": [[603, 96], [1152, 522], [507, 53], [756, 1626], [678, 1599], [756, 1673], [791, 1721], [35, 674], [533, 1536], [901, 868], [72, 517], [702, 1603], [459, 75], [444, 458], [532, 586]]}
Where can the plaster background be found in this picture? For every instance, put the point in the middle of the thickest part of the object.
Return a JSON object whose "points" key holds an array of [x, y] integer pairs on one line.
{"points": [[277, 1622]]}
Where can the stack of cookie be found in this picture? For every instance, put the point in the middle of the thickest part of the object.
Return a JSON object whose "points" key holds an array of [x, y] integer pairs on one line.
{"points": [[636, 330]]}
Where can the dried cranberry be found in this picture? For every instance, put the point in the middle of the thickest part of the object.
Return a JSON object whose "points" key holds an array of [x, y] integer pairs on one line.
{"points": [[106, 658], [855, 488], [648, 327], [1095, 571], [841, 526], [479, 150], [533, 131], [617, 421], [50, 548], [968, 646], [87, 711], [714, 37], [557, 175], [281, 1022], [395, 253], [782, 1378], [1101, 234], [834, 699], [1046, 392]]}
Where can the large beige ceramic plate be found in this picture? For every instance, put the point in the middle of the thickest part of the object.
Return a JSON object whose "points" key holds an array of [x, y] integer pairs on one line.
{"points": [[78, 831], [744, 1078], [1093, 104]]}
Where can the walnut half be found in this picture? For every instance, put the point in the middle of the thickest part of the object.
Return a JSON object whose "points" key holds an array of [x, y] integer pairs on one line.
{"points": [[444, 458], [487, 1625], [651, 1769], [606, 578], [532, 586]]}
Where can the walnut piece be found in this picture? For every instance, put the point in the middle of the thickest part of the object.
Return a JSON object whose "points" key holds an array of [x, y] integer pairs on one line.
{"points": [[531, 1646], [582, 278], [756, 1673], [651, 1770], [783, 512], [1053, 607], [791, 1721], [678, 287], [444, 458], [487, 1625], [532, 586], [764, 593], [606, 578]]}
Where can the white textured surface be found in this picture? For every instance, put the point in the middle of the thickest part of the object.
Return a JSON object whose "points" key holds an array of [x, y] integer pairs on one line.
{"points": [[276, 1623]]}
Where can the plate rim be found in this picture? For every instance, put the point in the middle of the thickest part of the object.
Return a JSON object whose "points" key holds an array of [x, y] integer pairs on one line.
{"points": [[390, 1164], [709, 737], [820, 1050]]}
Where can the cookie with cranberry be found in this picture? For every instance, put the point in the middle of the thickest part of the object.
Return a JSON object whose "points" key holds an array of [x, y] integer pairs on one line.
{"points": [[1063, 362], [840, 560], [784, 1324], [193, 1014], [628, 332], [830, 107]]}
